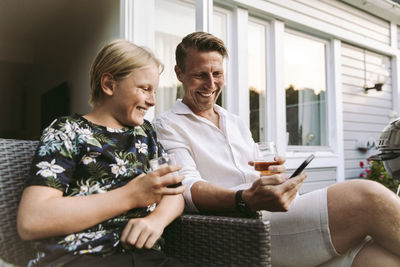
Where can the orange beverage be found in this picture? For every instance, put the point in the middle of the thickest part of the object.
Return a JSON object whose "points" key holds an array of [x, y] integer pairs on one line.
{"points": [[262, 167]]}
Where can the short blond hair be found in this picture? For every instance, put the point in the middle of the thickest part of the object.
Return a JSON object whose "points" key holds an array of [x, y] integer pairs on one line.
{"points": [[118, 58], [201, 41]]}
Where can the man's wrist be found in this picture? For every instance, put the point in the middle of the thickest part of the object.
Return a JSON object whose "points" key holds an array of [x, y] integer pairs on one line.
{"points": [[241, 205]]}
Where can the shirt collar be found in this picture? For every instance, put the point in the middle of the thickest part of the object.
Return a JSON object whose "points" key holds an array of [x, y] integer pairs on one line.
{"points": [[182, 108]]}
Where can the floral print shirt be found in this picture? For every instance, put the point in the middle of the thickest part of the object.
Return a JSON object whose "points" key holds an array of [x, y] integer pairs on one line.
{"points": [[80, 158]]}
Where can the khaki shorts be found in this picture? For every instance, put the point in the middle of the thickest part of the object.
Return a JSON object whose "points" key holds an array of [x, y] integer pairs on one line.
{"points": [[301, 237]]}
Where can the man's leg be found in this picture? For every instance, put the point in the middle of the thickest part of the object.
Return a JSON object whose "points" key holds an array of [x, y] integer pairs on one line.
{"points": [[373, 254], [360, 207]]}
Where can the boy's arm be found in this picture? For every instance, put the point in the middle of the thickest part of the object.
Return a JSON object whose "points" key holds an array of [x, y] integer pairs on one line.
{"points": [[144, 232]]}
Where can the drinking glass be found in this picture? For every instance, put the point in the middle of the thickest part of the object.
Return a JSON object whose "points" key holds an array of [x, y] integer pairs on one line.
{"points": [[168, 159], [264, 156], [165, 159]]}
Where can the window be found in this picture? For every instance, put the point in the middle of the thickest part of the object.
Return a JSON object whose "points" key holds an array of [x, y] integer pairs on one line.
{"points": [[305, 85], [219, 29], [175, 19], [257, 78]]}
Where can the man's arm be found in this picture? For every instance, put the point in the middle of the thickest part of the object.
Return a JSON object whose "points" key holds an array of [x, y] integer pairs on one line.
{"points": [[272, 193], [209, 197]]}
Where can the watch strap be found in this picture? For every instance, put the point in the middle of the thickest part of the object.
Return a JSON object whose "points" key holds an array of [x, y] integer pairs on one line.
{"points": [[241, 206]]}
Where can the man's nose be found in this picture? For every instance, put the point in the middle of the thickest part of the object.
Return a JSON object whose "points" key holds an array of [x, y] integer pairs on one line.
{"points": [[210, 82]]}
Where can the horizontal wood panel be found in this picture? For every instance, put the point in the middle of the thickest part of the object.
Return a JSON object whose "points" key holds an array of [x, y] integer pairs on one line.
{"points": [[363, 118], [341, 18], [364, 127], [356, 135], [359, 83], [359, 155], [318, 174], [352, 173], [368, 100], [386, 92], [350, 145], [359, 108], [355, 163], [357, 54], [368, 18], [364, 115]]}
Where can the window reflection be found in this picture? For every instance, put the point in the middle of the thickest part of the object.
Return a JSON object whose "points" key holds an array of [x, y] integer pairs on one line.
{"points": [[219, 29], [257, 78], [175, 19], [305, 85]]}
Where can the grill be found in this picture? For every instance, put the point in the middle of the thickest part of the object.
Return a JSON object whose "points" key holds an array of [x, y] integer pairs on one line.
{"points": [[389, 147]]}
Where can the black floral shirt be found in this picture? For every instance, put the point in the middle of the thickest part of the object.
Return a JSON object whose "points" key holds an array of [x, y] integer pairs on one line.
{"points": [[80, 158]]}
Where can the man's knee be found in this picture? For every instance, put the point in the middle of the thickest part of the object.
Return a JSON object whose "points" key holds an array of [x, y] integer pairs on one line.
{"points": [[360, 195]]}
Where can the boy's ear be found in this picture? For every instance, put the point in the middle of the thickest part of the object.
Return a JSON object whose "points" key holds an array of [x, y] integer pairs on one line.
{"points": [[178, 73], [107, 84]]}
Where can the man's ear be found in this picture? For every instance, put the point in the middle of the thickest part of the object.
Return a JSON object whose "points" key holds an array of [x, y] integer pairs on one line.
{"points": [[178, 72], [107, 84]]}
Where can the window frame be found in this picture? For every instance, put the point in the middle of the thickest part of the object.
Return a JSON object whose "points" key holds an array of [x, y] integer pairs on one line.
{"points": [[236, 98], [329, 140], [266, 24]]}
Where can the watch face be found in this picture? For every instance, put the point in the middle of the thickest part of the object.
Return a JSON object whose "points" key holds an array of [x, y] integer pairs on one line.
{"points": [[241, 206]]}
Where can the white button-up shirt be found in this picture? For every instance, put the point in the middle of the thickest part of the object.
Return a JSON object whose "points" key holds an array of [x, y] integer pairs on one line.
{"points": [[206, 152]]}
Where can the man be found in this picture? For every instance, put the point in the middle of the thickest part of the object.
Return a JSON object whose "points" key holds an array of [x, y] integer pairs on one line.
{"points": [[330, 226]]}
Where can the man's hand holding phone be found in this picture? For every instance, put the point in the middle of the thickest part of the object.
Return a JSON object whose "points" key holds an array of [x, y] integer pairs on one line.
{"points": [[303, 166], [275, 192]]}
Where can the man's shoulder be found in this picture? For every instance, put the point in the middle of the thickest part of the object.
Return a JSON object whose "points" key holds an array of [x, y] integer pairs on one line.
{"points": [[165, 115]]}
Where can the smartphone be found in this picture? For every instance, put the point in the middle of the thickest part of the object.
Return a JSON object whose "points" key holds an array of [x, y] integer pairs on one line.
{"points": [[174, 185], [303, 165]]}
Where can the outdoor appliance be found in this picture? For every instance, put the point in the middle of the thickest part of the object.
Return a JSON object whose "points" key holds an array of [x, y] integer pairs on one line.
{"points": [[389, 146]]}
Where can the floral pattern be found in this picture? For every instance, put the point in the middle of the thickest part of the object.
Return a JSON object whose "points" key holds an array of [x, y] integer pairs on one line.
{"points": [[81, 158]]}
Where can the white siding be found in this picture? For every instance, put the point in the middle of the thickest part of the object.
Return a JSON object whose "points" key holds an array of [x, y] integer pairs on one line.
{"points": [[327, 16], [317, 178], [364, 115]]}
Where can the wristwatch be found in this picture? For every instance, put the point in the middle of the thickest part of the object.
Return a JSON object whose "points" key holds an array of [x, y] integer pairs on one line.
{"points": [[241, 206]]}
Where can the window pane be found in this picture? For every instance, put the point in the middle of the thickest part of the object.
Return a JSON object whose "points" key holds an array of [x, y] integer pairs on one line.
{"points": [[219, 29], [305, 85], [175, 19], [257, 79]]}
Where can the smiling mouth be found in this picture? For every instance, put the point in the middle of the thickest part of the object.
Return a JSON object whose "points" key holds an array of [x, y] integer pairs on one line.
{"points": [[207, 95], [143, 110]]}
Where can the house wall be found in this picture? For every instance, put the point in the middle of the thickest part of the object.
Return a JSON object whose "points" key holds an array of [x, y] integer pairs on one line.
{"points": [[12, 101], [318, 178], [327, 17], [364, 115], [62, 50], [361, 115], [67, 48]]}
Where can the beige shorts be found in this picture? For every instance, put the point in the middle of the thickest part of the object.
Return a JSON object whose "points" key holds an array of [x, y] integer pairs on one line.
{"points": [[301, 237]]}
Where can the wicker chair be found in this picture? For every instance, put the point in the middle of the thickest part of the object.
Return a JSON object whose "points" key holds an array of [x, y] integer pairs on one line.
{"points": [[200, 239]]}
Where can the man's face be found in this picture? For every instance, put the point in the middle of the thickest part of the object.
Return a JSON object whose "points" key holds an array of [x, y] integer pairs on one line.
{"points": [[202, 79]]}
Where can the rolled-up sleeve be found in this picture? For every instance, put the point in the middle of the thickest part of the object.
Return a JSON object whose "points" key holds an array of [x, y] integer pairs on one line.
{"points": [[174, 142]]}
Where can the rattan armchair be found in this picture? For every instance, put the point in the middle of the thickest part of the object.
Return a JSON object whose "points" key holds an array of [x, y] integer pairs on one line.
{"points": [[199, 239]]}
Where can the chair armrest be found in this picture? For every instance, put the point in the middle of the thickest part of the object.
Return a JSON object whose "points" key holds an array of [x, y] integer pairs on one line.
{"points": [[216, 240], [16, 157]]}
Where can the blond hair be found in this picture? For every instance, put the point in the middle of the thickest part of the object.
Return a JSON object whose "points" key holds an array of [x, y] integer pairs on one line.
{"points": [[118, 58], [201, 41]]}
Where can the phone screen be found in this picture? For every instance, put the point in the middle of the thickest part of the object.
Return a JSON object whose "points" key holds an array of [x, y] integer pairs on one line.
{"points": [[303, 166]]}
